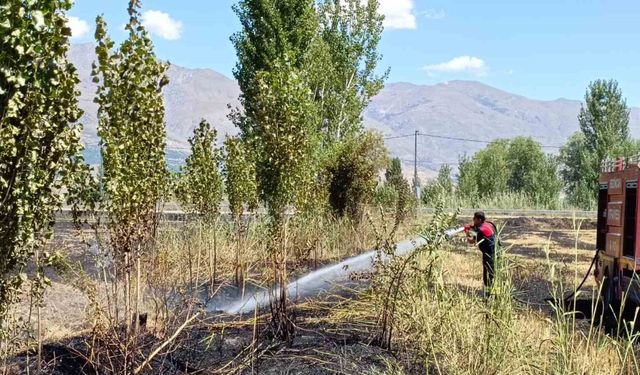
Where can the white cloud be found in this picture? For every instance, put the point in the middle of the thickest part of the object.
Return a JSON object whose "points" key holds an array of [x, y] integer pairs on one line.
{"points": [[434, 14], [79, 28], [399, 14], [461, 64], [162, 25]]}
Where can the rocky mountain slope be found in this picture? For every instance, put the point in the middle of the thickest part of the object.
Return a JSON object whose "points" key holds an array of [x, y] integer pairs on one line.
{"points": [[457, 109]]}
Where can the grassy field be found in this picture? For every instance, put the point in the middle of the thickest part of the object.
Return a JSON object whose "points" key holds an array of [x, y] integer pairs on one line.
{"points": [[441, 325]]}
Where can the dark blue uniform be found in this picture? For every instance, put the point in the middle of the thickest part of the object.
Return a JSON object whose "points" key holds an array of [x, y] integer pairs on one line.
{"points": [[486, 240]]}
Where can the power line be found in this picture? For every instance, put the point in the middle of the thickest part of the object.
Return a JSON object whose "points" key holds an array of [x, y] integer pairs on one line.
{"points": [[391, 138], [455, 139], [423, 162], [399, 136], [472, 140]]}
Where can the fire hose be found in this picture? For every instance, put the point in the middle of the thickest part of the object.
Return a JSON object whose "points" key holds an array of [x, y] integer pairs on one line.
{"points": [[586, 276]]}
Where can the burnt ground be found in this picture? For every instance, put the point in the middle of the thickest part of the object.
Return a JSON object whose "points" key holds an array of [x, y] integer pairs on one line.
{"points": [[328, 344], [224, 345]]}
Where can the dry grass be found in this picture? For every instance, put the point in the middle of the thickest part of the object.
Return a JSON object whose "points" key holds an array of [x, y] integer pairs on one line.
{"points": [[443, 326], [451, 329], [182, 265]]}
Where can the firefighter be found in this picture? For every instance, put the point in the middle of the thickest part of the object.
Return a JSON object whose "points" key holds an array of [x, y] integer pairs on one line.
{"points": [[483, 233]]}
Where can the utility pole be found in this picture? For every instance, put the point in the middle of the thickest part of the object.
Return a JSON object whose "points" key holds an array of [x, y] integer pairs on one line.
{"points": [[416, 188]]}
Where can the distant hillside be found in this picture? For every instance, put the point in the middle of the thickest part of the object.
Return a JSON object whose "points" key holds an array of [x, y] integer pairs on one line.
{"points": [[192, 94], [468, 110], [459, 109]]}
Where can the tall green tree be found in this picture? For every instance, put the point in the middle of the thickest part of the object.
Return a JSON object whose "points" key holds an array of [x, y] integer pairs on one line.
{"points": [[546, 191], [240, 177], [604, 119], [240, 183], [343, 64], [272, 32], [393, 174], [604, 128], [524, 155], [577, 171], [343, 70], [39, 134], [467, 170], [201, 181], [200, 187], [280, 120], [132, 136], [131, 129]]}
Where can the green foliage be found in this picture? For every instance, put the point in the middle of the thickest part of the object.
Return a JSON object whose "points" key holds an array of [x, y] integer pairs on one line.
{"points": [[280, 118], [282, 136], [467, 172], [548, 186], [39, 137], [240, 177], [604, 133], [518, 166], [274, 33], [394, 179], [532, 172], [385, 196], [342, 64], [354, 174], [577, 171], [492, 162], [132, 131], [604, 119], [439, 188], [393, 174], [484, 174], [200, 188]]}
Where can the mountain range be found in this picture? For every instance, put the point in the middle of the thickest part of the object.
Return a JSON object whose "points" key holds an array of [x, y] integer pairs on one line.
{"points": [[445, 114]]}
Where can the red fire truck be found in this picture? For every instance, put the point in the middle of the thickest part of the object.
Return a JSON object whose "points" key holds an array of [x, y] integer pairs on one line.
{"points": [[618, 236]]}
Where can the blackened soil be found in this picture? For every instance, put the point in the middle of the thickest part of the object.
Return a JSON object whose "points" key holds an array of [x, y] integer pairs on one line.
{"points": [[225, 345]]}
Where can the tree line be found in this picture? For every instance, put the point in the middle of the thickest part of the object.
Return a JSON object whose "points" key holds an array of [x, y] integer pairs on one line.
{"points": [[306, 70], [520, 166]]}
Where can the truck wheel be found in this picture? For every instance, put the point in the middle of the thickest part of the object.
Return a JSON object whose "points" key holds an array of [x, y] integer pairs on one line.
{"points": [[608, 304]]}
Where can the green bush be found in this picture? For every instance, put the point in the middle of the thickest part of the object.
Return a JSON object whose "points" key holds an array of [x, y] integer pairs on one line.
{"points": [[354, 174]]}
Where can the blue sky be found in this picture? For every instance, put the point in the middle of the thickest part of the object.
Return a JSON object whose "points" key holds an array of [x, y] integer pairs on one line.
{"points": [[543, 49]]}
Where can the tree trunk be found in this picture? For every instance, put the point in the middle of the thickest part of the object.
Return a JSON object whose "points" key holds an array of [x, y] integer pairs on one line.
{"points": [[137, 302], [215, 252]]}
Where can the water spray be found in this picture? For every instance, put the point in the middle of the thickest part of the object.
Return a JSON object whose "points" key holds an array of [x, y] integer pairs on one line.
{"points": [[454, 231], [324, 279], [316, 282]]}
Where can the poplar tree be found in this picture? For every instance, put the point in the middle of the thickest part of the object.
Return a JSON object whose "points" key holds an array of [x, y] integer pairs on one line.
{"points": [[279, 121], [132, 136], [240, 183], [604, 133], [39, 134], [201, 183], [343, 67], [344, 64]]}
